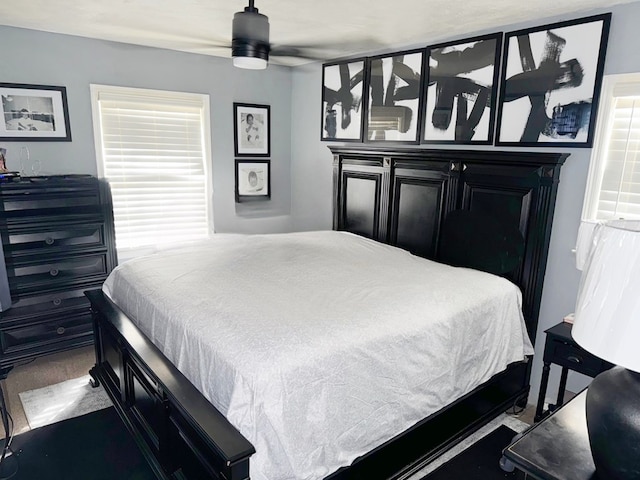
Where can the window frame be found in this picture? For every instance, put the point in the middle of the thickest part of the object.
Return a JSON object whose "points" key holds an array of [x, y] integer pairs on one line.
{"points": [[162, 95], [598, 157]]}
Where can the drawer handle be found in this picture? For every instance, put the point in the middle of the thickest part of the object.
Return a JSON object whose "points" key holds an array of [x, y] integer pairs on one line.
{"points": [[49, 241], [57, 301], [60, 330], [574, 359], [54, 272]]}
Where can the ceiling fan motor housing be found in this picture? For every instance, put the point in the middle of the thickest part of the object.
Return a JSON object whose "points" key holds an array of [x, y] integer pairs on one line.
{"points": [[250, 37]]}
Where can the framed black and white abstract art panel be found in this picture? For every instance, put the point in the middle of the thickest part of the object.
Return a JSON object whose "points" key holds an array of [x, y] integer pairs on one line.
{"points": [[342, 97], [462, 85], [34, 113], [252, 130], [394, 107], [551, 80], [253, 180]]}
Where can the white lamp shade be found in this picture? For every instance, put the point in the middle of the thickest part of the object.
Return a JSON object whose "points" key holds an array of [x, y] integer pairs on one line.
{"points": [[607, 320], [584, 241]]}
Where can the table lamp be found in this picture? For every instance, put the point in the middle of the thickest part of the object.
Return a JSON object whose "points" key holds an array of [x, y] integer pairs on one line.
{"points": [[607, 324]]}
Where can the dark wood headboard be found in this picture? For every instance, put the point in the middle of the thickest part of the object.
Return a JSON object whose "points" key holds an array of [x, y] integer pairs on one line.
{"points": [[487, 210]]}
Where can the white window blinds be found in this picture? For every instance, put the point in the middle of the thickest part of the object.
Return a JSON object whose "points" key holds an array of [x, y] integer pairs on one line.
{"points": [[154, 151], [620, 189], [614, 186]]}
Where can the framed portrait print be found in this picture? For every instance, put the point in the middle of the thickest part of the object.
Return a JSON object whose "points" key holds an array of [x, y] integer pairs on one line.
{"points": [[251, 133], [394, 97], [34, 113], [551, 79], [342, 97], [462, 86], [253, 180]]}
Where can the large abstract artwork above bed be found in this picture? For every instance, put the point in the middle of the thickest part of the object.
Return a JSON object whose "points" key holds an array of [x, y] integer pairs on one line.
{"points": [[348, 354]]}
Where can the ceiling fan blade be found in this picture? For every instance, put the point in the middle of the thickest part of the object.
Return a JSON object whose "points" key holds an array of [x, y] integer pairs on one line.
{"points": [[323, 50], [283, 51], [212, 46], [368, 43]]}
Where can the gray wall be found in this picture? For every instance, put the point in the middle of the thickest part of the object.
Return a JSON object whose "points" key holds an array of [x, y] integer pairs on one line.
{"points": [[34, 57], [311, 177]]}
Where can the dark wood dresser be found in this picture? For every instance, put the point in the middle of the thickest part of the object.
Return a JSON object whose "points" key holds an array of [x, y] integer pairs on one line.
{"points": [[57, 241]]}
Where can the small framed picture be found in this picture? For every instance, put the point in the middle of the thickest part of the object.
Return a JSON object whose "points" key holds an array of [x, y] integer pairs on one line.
{"points": [[251, 133], [342, 101], [33, 113], [253, 180]]}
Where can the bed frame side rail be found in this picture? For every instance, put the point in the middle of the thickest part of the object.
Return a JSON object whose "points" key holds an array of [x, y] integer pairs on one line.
{"points": [[179, 432]]}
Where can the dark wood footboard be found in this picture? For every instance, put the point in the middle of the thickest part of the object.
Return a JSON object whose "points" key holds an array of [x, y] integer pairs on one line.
{"points": [[183, 436], [180, 433]]}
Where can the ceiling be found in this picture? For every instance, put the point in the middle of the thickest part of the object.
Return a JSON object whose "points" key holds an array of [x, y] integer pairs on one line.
{"points": [[327, 28]]}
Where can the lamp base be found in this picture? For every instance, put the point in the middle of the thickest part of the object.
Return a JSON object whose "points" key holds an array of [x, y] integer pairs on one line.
{"points": [[613, 422]]}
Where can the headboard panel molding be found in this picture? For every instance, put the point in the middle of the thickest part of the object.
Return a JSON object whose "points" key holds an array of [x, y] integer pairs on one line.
{"points": [[489, 210]]}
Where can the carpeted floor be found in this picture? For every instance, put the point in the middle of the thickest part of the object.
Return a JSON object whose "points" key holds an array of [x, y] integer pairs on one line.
{"points": [[480, 461], [512, 422], [42, 372], [61, 401], [95, 446]]}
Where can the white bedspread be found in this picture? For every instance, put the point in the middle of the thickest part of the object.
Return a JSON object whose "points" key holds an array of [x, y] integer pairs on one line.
{"points": [[320, 346]]}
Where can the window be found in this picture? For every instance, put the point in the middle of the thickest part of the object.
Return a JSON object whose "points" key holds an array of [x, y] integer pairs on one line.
{"points": [[613, 188], [153, 147]]}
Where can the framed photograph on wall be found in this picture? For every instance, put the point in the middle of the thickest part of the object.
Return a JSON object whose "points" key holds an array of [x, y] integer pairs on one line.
{"points": [[551, 78], [394, 106], [252, 130], [34, 113], [253, 180], [462, 86], [342, 98]]}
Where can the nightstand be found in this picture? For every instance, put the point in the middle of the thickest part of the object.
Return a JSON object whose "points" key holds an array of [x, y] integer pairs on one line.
{"points": [[562, 350], [556, 448]]}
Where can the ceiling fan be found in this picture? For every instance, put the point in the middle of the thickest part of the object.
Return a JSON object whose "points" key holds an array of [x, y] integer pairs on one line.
{"points": [[250, 39], [250, 46]]}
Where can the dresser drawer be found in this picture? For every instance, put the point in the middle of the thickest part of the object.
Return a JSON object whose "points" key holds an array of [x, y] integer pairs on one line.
{"points": [[51, 238], [50, 194], [47, 334], [55, 273], [571, 356], [58, 303]]}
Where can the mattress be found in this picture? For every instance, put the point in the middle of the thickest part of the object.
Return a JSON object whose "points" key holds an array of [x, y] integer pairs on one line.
{"points": [[320, 346]]}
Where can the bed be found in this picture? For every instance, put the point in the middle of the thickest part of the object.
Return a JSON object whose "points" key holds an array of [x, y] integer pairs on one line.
{"points": [[288, 358]]}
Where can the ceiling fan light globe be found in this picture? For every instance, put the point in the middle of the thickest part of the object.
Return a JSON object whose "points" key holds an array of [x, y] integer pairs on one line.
{"points": [[250, 63]]}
